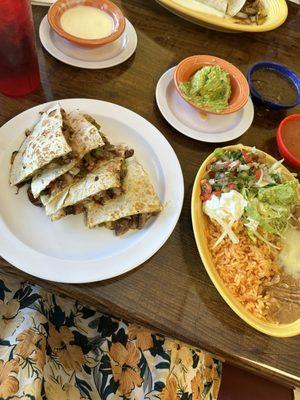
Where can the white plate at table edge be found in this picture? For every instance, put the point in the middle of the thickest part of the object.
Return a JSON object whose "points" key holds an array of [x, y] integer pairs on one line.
{"points": [[125, 54], [220, 137], [98, 265]]}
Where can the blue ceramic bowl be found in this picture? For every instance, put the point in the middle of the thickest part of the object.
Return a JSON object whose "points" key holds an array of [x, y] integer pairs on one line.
{"points": [[293, 77]]}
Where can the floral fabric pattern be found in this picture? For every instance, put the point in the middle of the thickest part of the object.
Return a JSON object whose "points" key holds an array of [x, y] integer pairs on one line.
{"points": [[57, 349]]}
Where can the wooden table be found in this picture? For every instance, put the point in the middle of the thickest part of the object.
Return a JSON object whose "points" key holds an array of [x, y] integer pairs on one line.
{"points": [[171, 292]]}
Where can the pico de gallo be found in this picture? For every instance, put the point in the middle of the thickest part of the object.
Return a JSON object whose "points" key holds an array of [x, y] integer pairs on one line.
{"points": [[236, 170]]}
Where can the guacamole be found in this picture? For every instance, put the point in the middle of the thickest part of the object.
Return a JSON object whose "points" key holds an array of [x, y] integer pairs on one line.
{"points": [[209, 88], [285, 194]]}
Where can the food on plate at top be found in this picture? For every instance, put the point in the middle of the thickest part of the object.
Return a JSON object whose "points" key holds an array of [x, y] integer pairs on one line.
{"points": [[251, 12], [92, 173], [209, 87], [130, 210], [44, 143], [274, 86], [220, 5], [245, 12], [253, 205]]}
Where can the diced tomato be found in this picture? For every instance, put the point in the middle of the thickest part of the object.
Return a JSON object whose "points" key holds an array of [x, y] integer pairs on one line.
{"points": [[205, 187], [205, 197], [231, 185], [211, 174], [257, 174], [247, 156], [254, 156], [208, 167], [261, 158], [206, 190]]}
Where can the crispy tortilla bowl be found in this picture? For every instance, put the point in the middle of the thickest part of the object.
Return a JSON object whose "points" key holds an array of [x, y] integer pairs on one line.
{"points": [[200, 224]]}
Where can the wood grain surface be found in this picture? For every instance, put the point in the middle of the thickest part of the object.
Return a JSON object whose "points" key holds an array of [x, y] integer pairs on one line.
{"points": [[171, 292]]}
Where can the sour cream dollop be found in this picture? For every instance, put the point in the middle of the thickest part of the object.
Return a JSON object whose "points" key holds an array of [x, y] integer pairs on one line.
{"points": [[228, 207]]}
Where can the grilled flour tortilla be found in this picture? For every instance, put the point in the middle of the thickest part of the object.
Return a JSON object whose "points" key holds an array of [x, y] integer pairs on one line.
{"points": [[234, 6], [83, 138], [106, 175], [246, 12], [220, 5], [45, 143], [132, 208]]}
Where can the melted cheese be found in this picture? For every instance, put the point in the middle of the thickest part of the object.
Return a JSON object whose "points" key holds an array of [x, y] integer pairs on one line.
{"points": [[289, 257], [87, 22]]}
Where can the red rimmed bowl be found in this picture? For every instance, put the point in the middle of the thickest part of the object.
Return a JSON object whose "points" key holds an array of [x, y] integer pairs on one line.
{"points": [[239, 85], [294, 139], [60, 6]]}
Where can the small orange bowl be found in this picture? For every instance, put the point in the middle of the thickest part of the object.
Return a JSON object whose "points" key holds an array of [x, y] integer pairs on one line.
{"points": [[60, 6], [239, 85], [284, 150]]}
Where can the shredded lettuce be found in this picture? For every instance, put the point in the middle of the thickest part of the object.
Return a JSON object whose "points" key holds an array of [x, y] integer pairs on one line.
{"points": [[272, 218], [227, 230], [270, 194], [276, 167], [225, 155], [220, 154], [261, 237], [271, 210]]}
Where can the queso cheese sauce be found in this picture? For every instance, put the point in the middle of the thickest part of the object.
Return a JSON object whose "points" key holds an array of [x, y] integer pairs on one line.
{"points": [[87, 22]]}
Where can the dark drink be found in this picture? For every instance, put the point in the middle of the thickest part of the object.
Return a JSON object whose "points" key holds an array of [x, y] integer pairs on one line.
{"points": [[19, 70]]}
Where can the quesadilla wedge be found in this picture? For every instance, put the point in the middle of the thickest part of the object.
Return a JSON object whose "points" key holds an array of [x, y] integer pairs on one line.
{"points": [[104, 180], [83, 138], [79, 171], [234, 6], [220, 5], [132, 208], [44, 143], [246, 12]]}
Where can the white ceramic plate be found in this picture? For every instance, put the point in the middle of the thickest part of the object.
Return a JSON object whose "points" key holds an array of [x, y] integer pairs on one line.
{"points": [[66, 250], [189, 121], [101, 57]]}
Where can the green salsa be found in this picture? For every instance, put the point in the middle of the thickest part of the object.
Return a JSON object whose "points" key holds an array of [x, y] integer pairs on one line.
{"points": [[208, 88]]}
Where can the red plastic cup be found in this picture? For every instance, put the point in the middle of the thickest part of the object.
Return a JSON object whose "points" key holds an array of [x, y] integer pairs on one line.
{"points": [[283, 149], [19, 70]]}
